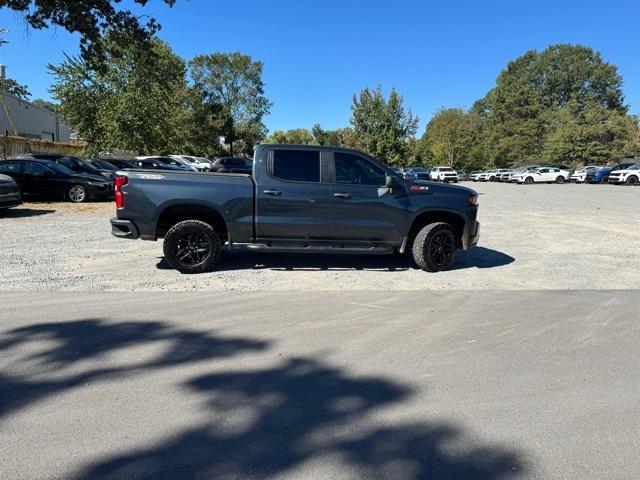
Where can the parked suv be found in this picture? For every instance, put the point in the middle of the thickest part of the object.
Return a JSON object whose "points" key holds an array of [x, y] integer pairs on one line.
{"points": [[629, 175], [444, 174], [543, 175]]}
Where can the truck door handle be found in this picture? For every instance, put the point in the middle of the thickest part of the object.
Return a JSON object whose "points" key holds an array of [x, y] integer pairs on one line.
{"points": [[342, 195], [273, 191]]}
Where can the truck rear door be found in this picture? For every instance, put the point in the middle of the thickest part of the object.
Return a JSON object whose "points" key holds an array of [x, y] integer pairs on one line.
{"points": [[292, 200]]}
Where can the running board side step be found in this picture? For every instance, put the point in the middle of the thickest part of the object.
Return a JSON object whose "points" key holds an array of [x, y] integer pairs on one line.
{"points": [[280, 248]]}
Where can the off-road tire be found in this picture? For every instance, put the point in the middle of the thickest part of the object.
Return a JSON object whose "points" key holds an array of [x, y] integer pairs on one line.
{"points": [[429, 253], [192, 246]]}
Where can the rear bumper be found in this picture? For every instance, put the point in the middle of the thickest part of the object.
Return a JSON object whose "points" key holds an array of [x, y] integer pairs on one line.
{"points": [[124, 229], [470, 238]]}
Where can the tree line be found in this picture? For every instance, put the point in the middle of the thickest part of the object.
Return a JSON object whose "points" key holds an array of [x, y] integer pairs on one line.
{"points": [[564, 104]]}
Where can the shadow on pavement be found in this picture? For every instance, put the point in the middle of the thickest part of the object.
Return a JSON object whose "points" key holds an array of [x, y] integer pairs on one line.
{"points": [[478, 257], [260, 422], [24, 212]]}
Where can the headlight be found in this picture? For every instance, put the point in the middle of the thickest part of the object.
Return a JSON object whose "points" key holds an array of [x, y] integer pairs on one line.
{"points": [[472, 199]]}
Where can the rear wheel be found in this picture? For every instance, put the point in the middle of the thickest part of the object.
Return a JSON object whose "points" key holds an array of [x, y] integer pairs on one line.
{"points": [[632, 180], [560, 179], [435, 247], [77, 194], [192, 246]]}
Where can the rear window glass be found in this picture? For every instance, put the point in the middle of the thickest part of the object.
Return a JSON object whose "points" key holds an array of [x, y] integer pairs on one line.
{"points": [[296, 165]]}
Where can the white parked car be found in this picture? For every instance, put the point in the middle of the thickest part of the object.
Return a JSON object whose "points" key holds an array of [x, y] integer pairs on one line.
{"points": [[629, 176], [200, 164], [488, 176], [542, 175], [444, 174], [474, 176], [579, 176]]}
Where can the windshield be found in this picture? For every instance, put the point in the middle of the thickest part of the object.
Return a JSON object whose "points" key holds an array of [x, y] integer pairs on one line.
{"points": [[446, 169]]}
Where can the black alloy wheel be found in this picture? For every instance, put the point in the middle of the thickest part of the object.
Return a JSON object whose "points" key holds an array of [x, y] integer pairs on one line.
{"points": [[435, 247], [192, 246]]}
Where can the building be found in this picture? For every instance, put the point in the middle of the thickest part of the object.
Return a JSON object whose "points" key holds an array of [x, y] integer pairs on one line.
{"points": [[24, 119]]}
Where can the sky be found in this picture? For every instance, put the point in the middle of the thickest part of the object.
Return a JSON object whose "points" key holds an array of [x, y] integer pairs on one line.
{"points": [[316, 55]]}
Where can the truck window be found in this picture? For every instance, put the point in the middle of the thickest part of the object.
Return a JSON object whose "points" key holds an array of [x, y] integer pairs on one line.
{"points": [[356, 170], [296, 165]]}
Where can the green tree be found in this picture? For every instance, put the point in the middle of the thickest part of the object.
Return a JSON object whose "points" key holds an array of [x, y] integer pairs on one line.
{"points": [[138, 102], [91, 19], [12, 87], [595, 134], [341, 137], [451, 135], [382, 127], [522, 109], [231, 84], [300, 136], [51, 106]]}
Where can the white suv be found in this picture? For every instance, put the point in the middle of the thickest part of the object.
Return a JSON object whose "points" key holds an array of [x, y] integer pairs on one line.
{"points": [[542, 175], [444, 174], [629, 176]]}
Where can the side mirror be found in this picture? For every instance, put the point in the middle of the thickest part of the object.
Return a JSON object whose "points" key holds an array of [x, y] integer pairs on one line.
{"points": [[390, 181]]}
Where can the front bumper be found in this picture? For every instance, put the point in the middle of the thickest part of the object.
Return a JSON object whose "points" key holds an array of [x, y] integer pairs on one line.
{"points": [[8, 201], [616, 180], [124, 229], [470, 238]]}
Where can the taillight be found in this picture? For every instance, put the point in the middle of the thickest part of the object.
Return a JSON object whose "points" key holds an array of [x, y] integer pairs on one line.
{"points": [[118, 183]]}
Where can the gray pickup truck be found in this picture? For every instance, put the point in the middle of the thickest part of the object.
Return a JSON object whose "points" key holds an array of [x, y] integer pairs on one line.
{"points": [[300, 198]]}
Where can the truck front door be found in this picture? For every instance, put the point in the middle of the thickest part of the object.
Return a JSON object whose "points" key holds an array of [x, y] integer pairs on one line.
{"points": [[364, 209]]}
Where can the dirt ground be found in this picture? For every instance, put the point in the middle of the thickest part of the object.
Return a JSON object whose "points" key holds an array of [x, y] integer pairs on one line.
{"points": [[532, 237]]}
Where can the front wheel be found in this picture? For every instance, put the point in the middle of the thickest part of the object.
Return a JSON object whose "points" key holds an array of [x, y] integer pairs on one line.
{"points": [[528, 180], [435, 247], [192, 246], [77, 194], [605, 179], [632, 180]]}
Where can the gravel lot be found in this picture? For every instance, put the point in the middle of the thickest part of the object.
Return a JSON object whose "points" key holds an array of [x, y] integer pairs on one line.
{"points": [[532, 237]]}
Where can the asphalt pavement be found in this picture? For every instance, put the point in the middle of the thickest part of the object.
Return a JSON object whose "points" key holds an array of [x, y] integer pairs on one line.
{"points": [[320, 385]]}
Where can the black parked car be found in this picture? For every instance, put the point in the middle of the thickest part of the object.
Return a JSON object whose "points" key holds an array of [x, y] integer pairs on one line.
{"points": [[103, 166], [152, 164], [232, 165], [49, 179], [9, 192], [75, 164], [120, 164]]}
